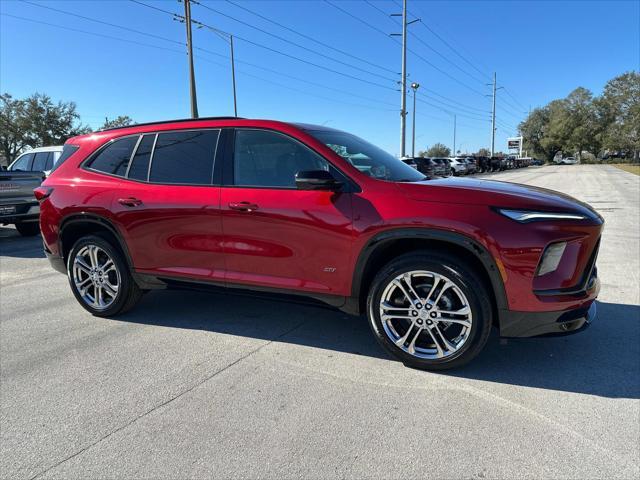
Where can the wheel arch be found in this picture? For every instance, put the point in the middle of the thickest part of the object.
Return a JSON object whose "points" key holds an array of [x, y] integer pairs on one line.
{"points": [[390, 244], [76, 226]]}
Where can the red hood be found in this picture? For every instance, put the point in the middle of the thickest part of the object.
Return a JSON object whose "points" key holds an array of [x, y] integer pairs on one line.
{"points": [[493, 193]]}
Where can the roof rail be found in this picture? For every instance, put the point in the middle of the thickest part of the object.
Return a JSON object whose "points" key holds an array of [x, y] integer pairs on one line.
{"points": [[169, 121]]}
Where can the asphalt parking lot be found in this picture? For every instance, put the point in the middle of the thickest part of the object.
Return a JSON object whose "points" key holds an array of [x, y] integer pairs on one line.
{"points": [[194, 385]]}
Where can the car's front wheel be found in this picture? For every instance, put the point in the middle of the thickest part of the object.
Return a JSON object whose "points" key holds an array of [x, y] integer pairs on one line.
{"points": [[99, 277], [429, 310]]}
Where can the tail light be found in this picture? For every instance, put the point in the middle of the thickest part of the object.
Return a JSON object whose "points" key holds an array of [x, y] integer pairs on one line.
{"points": [[42, 192]]}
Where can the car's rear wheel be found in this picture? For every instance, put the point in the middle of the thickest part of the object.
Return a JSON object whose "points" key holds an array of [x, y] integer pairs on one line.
{"points": [[99, 277], [431, 311], [28, 229]]}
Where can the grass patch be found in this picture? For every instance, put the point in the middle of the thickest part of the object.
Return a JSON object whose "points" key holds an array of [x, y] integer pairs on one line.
{"points": [[627, 167]]}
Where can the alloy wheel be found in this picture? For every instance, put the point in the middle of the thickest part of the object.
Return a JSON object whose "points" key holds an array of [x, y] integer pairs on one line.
{"points": [[95, 277], [425, 314]]}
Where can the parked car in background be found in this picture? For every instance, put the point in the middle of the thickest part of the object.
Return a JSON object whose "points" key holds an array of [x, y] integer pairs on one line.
{"points": [[459, 166], [410, 161], [18, 205], [445, 166], [440, 167], [568, 161], [471, 165], [313, 211], [483, 164], [41, 159], [426, 166], [495, 164]]}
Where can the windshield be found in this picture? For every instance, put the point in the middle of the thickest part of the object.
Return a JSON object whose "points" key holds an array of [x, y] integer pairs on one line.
{"points": [[367, 158]]}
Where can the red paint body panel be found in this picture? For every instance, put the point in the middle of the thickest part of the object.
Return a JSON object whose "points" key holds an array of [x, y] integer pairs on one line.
{"points": [[310, 241]]}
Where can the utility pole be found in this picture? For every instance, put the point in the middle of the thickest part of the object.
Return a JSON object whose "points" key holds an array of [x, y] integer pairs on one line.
{"points": [[403, 102], [493, 117], [403, 81], [415, 87], [454, 134], [493, 114], [192, 80], [233, 77]]}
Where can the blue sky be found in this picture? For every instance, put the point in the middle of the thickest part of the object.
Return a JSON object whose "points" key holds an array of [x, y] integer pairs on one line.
{"points": [[540, 50]]}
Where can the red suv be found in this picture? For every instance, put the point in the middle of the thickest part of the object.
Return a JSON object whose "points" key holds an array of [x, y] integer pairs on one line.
{"points": [[314, 211]]}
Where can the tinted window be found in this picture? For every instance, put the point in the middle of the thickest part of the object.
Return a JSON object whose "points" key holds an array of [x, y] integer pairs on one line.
{"points": [[23, 163], [40, 161], [114, 158], [140, 164], [268, 159], [184, 157], [366, 157], [50, 159], [67, 151]]}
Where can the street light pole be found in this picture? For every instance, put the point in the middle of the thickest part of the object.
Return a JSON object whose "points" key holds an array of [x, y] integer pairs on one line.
{"points": [[414, 87], [192, 80]]}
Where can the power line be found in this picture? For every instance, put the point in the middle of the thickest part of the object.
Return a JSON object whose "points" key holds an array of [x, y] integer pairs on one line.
{"points": [[282, 39], [450, 111], [435, 67], [104, 23], [300, 79], [454, 50], [200, 49], [426, 44], [514, 99], [293, 57], [110, 37], [292, 30], [453, 107], [305, 92]]}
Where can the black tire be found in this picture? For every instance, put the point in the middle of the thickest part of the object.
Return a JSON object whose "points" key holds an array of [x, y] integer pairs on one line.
{"points": [[469, 283], [28, 229], [128, 293]]}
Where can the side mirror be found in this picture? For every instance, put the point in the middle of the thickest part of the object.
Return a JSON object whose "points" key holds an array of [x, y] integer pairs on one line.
{"points": [[317, 180]]}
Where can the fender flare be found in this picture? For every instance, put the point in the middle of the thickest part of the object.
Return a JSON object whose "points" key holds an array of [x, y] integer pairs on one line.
{"points": [[99, 220], [458, 239]]}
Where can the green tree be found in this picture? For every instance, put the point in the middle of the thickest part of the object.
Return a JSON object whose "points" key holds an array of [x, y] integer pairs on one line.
{"points": [[619, 109], [483, 152], [120, 121], [436, 150], [35, 121]]}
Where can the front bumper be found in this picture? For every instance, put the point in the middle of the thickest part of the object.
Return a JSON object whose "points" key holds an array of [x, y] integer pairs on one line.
{"points": [[534, 324]]}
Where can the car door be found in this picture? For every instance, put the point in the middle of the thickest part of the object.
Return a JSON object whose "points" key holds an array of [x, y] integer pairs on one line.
{"points": [[274, 234], [168, 208]]}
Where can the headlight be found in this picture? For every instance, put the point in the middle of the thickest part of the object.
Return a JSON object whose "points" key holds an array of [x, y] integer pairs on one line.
{"points": [[524, 216]]}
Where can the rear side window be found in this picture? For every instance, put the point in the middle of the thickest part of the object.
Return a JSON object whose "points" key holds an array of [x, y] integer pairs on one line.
{"points": [[67, 151], [40, 161], [114, 158], [184, 157], [140, 163], [23, 163]]}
